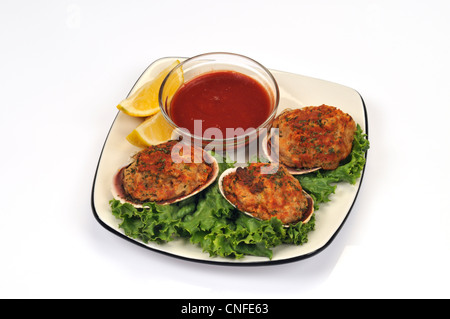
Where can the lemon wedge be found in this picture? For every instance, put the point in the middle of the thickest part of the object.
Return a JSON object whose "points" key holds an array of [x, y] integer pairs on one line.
{"points": [[144, 102], [152, 131]]}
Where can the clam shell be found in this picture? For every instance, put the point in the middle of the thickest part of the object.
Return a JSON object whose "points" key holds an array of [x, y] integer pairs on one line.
{"points": [[119, 193], [305, 218], [293, 171]]}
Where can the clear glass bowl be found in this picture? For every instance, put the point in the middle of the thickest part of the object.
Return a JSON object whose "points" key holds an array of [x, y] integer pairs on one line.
{"points": [[212, 62]]}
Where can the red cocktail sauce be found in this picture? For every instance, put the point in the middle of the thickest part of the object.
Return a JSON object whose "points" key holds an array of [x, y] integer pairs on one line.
{"points": [[222, 99]]}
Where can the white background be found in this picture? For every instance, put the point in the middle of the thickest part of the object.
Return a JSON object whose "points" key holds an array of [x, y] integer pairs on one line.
{"points": [[65, 65]]}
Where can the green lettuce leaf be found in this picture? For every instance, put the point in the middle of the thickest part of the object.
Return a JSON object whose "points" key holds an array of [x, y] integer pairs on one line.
{"points": [[159, 223]]}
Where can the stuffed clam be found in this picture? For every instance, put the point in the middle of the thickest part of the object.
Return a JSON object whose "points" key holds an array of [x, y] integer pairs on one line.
{"points": [[164, 174], [312, 138], [263, 192]]}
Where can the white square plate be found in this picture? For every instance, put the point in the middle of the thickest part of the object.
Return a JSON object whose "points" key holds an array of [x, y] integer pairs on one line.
{"points": [[295, 91]]}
